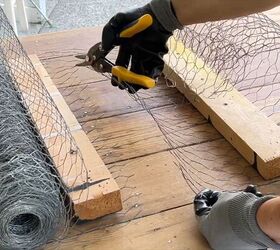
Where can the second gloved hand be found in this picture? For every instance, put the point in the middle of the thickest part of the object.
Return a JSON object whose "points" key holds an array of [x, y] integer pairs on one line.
{"points": [[228, 219]]}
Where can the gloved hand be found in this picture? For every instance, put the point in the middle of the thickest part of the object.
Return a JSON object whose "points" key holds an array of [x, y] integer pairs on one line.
{"points": [[144, 51], [228, 219], [204, 201]]}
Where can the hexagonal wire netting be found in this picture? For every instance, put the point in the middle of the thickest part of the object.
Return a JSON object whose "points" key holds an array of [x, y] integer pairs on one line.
{"points": [[37, 154]]}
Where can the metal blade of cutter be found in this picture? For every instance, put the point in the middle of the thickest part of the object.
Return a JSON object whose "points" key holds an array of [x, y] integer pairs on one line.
{"points": [[86, 61], [93, 55], [96, 57], [82, 57]]}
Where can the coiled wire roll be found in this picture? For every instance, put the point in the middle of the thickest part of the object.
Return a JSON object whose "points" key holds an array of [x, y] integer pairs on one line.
{"points": [[33, 204]]}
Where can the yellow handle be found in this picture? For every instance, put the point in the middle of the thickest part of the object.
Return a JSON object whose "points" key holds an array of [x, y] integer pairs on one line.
{"points": [[125, 75], [137, 26]]}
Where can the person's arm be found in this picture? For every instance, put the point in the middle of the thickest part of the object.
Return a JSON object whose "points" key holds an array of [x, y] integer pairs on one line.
{"points": [[200, 11], [268, 218]]}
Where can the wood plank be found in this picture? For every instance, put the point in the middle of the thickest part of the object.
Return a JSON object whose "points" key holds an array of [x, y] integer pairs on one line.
{"points": [[101, 199], [90, 96], [174, 229], [83, 165], [149, 185], [271, 188], [125, 136], [182, 125], [64, 73], [220, 156], [215, 165], [57, 44], [162, 181], [101, 99], [132, 135], [270, 107], [238, 120]]}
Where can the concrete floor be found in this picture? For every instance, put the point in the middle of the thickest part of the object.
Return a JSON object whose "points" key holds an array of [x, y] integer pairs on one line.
{"points": [[71, 14]]}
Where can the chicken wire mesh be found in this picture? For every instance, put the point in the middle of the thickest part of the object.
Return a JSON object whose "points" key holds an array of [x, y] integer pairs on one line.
{"points": [[243, 53], [214, 58], [136, 134], [37, 154]]}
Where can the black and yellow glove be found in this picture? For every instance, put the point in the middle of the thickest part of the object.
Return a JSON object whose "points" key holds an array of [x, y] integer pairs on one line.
{"points": [[142, 35]]}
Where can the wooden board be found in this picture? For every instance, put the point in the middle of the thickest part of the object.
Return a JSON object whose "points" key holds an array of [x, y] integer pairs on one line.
{"points": [[91, 96], [270, 107], [154, 183], [233, 115], [98, 199], [136, 134], [169, 229], [216, 165], [100, 100], [175, 229], [149, 185], [156, 197], [63, 72], [62, 43]]}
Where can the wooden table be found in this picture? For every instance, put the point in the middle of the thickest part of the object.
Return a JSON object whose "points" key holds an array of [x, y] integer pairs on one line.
{"points": [[157, 197]]}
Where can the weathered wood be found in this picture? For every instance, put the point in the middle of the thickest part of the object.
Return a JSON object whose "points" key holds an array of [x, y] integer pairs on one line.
{"points": [[149, 185], [238, 120], [101, 99], [132, 135], [155, 183], [216, 165], [91, 96], [174, 229], [62, 43], [270, 107], [97, 200], [64, 73], [125, 136], [182, 125]]}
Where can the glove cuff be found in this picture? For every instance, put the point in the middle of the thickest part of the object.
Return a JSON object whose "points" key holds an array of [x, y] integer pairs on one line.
{"points": [[242, 214], [164, 13]]}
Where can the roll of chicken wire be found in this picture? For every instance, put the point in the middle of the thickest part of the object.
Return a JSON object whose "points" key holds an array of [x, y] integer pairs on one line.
{"points": [[35, 207]]}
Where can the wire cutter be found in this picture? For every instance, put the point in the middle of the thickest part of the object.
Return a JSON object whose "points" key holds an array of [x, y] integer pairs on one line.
{"points": [[96, 57]]}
